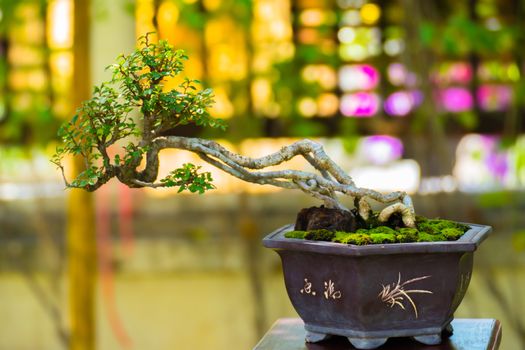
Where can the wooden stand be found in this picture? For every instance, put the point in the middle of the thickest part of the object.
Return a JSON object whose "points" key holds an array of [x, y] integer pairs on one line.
{"points": [[469, 334]]}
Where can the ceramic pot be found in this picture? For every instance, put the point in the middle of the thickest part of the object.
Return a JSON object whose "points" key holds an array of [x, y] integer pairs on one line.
{"points": [[374, 292]]}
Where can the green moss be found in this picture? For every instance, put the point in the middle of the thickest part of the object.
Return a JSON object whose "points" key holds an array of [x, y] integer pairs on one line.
{"points": [[376, 230], [452, 234], [341, 237], [381, 238], [444, 229], [426, 237], [358, 239], [295, 234], [382, 230], [462, 227], [320, 235], [406, 235], [420, 219], [428, 230]]}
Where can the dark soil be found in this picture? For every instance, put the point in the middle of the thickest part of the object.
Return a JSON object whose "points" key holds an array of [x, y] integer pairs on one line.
{"points": [[316, 218]]}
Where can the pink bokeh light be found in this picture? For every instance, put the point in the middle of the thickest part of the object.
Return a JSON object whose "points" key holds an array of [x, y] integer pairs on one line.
{"points": [[456, 99], [360, 104], [453, 73], [494, 97]]}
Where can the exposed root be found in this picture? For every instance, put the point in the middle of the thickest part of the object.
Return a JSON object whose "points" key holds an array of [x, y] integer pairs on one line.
{"points": [[363, 208], [407, 215]]}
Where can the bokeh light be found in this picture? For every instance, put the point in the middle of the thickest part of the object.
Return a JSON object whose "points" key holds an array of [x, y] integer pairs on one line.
{"points": [[351, 18], [59, 32], [360, 104], [328, 104], [456, 99], [381, 149], [397, 74], [491, 97], [481, 163], [346, 35], [168, 15], [400, 103], [370, 13], [312, 17], [453, 72], [307, 106], [322, 74], [358, 77]]}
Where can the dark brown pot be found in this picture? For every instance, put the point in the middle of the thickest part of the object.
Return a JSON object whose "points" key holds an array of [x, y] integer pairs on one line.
{"points": [[371, 293]]}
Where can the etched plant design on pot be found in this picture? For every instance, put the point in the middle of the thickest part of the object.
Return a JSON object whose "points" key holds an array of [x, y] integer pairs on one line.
{"points": [[395, 293]]}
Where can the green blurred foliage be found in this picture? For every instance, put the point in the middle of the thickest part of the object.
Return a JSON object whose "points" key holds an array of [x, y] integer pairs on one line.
{"points": [[518, 241], [35, 123], [460, 35]]}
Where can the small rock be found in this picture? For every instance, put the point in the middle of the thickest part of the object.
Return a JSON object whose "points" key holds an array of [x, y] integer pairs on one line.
{"points": [[316, 218]]}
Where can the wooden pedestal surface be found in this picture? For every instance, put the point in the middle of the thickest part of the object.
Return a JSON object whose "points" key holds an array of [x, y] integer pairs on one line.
{"points": [[469, 334]]}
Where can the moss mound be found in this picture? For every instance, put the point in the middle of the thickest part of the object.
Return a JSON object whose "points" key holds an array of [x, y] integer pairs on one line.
{"points": [[319, 235], [295, 234], [374, 232], [352, 238], [407, 235]]}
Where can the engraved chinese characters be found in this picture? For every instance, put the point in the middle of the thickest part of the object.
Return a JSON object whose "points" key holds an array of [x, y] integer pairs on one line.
{"points": [[330, 291]]}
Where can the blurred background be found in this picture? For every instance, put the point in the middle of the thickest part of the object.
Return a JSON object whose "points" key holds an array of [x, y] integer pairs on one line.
{"points": [[422, 96]]}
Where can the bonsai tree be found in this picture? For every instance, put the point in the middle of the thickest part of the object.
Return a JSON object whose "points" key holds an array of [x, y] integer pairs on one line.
{"points": [[136, 113]]}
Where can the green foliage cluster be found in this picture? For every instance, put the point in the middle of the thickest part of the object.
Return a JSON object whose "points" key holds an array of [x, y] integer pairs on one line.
{"points": [[189, 178], [427, 230], [460, 35], [130, 111]]}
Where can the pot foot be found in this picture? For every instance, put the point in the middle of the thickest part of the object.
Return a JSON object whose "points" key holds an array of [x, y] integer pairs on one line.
{"points": [[314, 337], [370, 343], [447, 331], [431, 339]]}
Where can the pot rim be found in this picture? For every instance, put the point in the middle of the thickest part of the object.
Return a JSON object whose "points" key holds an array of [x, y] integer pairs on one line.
{"points": [[467, 243]]}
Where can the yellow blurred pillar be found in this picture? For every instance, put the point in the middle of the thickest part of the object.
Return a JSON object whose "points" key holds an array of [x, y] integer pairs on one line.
{"points": [[81, 235], [81, 270]]}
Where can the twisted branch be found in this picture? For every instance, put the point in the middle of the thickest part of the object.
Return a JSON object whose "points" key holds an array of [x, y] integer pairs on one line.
{"points": [[324, 185]]}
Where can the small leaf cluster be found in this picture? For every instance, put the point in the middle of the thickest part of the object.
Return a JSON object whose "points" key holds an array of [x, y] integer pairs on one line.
{"points": [[188, 178], [99, 122], [142, 75], [133, 155]]}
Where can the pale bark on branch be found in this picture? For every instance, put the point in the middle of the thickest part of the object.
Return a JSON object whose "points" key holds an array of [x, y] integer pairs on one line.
{"points": [[324, 185]]}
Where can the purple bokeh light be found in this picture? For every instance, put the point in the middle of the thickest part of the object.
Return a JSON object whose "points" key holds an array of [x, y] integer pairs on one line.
{"points": [[498, 164], [382, 149], [401, 103], [496, 160]]}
